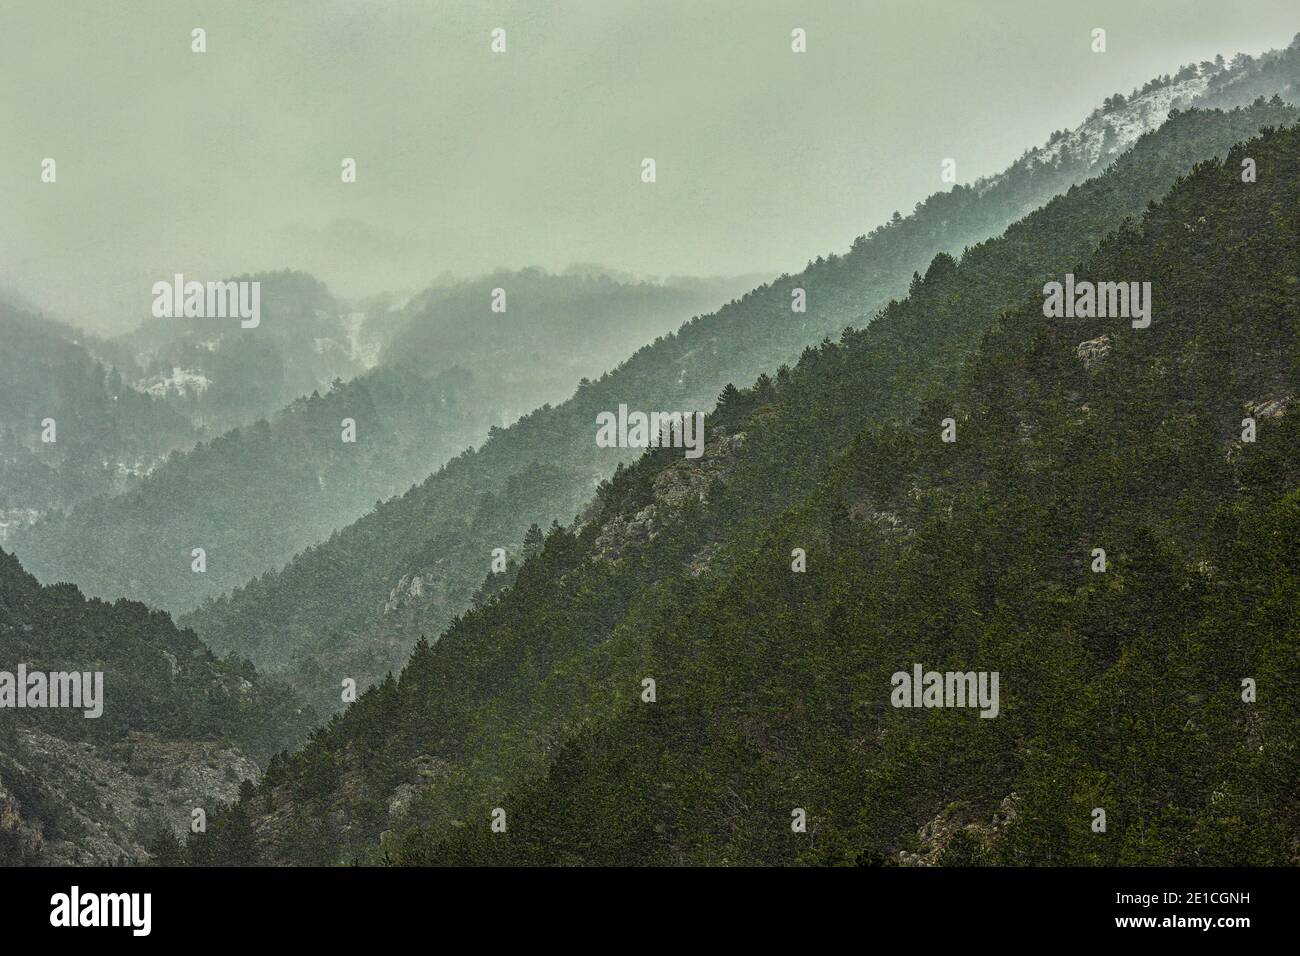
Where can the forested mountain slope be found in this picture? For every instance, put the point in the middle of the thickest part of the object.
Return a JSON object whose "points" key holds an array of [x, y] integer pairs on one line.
{"points": [[354, 605], [1273, 73], [177, 728], [1159, 688], [773, 686], [126, 402], [120, 406]]}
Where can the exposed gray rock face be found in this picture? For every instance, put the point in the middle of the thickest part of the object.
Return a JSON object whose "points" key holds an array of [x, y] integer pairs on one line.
{"points": [[401, 800], [425, 769], [416, 589], [887, 522], [700, 562], [410, 586], [1093, 351], [691, 477], [935, 836], [113, 801], [1269, 407], [684, 480], [622, 533]]}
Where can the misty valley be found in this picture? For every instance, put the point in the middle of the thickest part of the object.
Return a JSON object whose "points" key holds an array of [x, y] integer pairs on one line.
{"points": [[543, 437]]}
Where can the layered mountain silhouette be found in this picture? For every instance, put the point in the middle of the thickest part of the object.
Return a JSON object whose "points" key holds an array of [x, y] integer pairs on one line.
{"points": [[72, 427], [257, 495], [652, 658], [356, 604], [772, 686]]}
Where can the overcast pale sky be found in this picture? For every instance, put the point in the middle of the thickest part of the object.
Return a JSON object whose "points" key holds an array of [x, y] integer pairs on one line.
{"points": [[229, 161]]}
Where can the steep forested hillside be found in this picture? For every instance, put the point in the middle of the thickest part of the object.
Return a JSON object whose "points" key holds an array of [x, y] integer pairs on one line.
{"points": [[355, 605], [772, 686], [1158, 687], [1229, 84], [177, 729]]}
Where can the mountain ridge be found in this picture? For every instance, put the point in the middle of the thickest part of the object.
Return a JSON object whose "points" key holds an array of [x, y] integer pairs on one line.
{"points": [[550, 451], [512, 688]]}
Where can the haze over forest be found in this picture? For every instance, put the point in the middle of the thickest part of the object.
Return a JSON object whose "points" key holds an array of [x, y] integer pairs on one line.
{"points": [[468, 162], [832, 433]]}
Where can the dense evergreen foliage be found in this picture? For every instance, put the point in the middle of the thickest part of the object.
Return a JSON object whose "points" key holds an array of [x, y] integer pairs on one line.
{"points": [[157, 678], [1122, 690]]}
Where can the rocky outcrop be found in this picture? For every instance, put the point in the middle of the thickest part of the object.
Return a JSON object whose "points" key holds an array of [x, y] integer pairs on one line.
{"points": [[684, 480], [959, 819], [417, 589], [409, 588], [1269, 407], [622, 534], [425, 769], [1093, 351], [700, 561], [691, 477], [112, 800]]}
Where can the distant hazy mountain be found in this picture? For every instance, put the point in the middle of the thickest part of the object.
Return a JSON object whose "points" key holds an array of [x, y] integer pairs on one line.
{"points": [[535, 335], [523, 688], [121, 405], [254, 497], [222, 375], [70, 426]]}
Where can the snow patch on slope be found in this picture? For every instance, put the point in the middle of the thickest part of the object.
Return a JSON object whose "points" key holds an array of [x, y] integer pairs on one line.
{"points": [[1105, 135], [182, 382]]}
